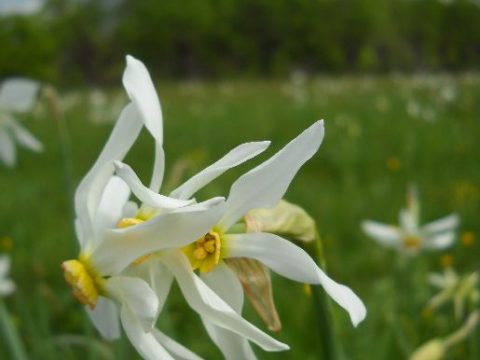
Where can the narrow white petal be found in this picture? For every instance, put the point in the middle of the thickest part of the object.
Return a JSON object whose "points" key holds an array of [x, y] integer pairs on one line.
{"points": [[211, 307], [158, 168], [18, 94], [7, 287], [144, 194], [224, 282], [291, 261], [89, 192], [384, 234], [439, 241], [156, 275], [5, 263], [135, 294], [437, 280], [130, 209], [120, 247], [7, 149], [105, 317], [140, 89], [111, 205], [447, 223], [144, 342], [265, 185], [232, 346], [179, 351], [235, 157], [24, 137], [408, 221]]}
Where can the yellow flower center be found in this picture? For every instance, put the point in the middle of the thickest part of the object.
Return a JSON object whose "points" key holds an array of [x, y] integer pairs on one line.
{"points": [[127, 222], [205, 253], [85, 282], [411, 242]]}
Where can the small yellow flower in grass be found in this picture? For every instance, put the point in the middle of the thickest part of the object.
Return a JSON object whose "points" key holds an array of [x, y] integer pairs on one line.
{"points": [[6, 243], [410, 237], [446, 261], [468, 239], [394, 164]]}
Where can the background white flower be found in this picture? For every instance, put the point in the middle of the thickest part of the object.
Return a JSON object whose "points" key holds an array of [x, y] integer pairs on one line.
{"points": [[410, 237], [7, 286], [16, 96]]}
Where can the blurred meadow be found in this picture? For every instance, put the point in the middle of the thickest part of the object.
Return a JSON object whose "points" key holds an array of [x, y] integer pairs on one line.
{"points": [[385, 128]]}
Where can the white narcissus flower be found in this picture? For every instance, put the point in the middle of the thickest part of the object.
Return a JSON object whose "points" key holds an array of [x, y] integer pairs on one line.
{"points": [[16, 96], [461, 290], [143, 223], [96, 277], [262, 187], [7, 286], [410, 237]]}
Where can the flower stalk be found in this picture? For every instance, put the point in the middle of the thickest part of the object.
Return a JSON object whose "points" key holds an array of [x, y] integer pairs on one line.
{"points": [[12, 337]]}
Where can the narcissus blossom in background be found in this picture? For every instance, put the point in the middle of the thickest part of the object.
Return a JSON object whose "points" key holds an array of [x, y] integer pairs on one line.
{"points": [[7, 286], [461, 290], [410, 237], [16, 96]]}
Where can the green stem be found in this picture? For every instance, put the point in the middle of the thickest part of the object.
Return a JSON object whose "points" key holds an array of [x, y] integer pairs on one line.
{"points": [[322, 306], [13, 339]]}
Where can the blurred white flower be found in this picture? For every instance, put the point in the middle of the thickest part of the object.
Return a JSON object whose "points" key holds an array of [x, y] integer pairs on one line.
{"points": [[7, 286], [409, 236], [16, 96], [436, 349], [461, 290]]}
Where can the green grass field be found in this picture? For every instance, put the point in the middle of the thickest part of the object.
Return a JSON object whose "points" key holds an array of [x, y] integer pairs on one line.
{"points": [[381, 135]]}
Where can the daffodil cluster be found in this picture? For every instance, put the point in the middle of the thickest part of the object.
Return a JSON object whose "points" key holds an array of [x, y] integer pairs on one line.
{"points": [[131, 252]]}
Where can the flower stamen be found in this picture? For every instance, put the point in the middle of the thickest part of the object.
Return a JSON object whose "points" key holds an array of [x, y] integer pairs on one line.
{"points": [[204, 254], [85, 283]]}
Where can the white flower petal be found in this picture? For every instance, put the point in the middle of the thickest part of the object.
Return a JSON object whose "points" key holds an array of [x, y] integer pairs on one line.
{"points": [[130, 209], [144, 342], [179, 351], [265, 185], [144, 194], [384, 234], [111, 205], [211, 307], [447, 223], [24, 137], [234, 158], [437, 280], [105, 317], [135, 294], [440, 241], [224, 282], [140, 89], [231, 345], [156, 275], [89, 192], [7, 287], [120, 247], [158, 168], [7, 149], [408, 221], [291, 261], [5, 264], [18, 94]]}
